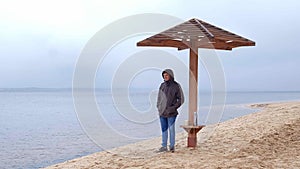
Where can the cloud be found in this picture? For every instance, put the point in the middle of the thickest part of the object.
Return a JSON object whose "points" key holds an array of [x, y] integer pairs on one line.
{"points": [[41, 40]]}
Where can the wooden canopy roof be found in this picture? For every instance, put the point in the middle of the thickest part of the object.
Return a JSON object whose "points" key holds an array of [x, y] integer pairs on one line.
{"points": [[196, 34]]}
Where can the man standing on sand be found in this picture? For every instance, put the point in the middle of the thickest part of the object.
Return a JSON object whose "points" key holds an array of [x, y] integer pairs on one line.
{"points": [[170, 98]]}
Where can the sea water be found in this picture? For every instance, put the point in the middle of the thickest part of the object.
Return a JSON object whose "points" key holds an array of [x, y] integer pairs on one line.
{"points": [[39, 128]]}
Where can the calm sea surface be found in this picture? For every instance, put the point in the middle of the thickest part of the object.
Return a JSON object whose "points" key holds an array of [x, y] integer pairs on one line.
{"points": [[39, 128]]}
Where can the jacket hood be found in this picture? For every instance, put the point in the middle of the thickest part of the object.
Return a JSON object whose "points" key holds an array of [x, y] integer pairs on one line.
{"points": [[170, 72]]}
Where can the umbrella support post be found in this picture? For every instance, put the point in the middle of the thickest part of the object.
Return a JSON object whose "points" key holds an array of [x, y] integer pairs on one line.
{"points": [[192, 134]]}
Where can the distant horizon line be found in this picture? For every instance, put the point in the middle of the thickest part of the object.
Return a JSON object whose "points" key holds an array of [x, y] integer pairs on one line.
{"points": [[104, 88]]}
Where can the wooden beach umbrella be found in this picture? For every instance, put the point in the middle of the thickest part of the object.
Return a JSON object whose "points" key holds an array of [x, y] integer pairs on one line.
{"points": [[194, 34]]}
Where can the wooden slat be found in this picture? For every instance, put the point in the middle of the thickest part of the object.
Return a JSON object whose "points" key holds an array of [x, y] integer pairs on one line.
{"points": [[163, 43], [203, 27]]}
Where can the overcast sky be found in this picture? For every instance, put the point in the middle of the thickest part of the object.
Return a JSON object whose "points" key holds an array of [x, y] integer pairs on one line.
{"points": [[41, 40]]}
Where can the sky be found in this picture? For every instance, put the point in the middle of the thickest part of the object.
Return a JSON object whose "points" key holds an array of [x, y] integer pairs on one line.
{"points": [[42, 40]]}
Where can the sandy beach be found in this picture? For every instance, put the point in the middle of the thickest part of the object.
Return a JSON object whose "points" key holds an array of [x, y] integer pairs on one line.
{"points": [[269, 138]]}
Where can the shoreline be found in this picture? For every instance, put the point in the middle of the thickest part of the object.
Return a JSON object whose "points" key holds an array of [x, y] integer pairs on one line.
{"points": [[269, 138]]}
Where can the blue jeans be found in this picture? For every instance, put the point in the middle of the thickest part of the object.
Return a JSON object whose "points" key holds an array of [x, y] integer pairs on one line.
{"points": [[168, 123]]}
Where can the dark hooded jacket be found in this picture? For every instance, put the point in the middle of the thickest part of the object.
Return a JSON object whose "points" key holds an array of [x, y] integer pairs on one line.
{"points": [[170, 96]]}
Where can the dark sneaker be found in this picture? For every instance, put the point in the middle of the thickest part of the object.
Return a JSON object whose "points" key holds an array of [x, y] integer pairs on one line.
{"points": [[162, 149], [172, 149]]}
